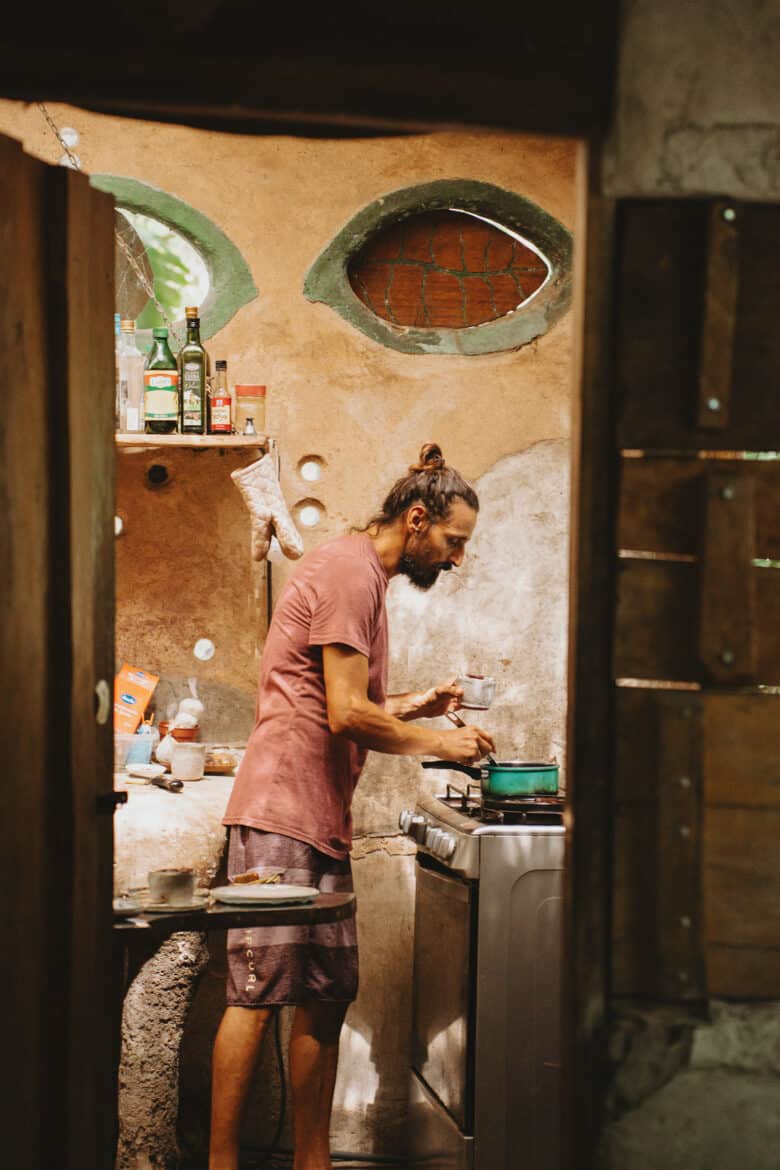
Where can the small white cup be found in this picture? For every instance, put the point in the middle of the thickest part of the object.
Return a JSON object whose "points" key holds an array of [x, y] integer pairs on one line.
{"points": [[175, 885], [478, 693], [188, 760]]}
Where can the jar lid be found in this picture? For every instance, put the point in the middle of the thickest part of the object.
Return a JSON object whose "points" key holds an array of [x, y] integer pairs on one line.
{"points": [[221, 365], [127, 325], [251, 391]]}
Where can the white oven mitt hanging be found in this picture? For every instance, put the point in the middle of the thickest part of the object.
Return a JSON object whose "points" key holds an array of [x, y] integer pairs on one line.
{"points": [[259, 485]]}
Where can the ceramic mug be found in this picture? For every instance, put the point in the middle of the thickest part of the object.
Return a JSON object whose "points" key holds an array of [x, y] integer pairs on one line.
{"points": [[175, 885], [188, 760], [478, 692]]}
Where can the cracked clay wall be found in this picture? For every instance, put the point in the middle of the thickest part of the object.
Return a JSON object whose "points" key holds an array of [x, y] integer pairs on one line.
{"points": [[184, 568], [697, 113]]}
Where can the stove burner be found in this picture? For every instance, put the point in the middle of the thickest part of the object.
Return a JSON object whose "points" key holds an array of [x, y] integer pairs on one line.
{"points": [[522, 803], [518, 810], [506, 810]]}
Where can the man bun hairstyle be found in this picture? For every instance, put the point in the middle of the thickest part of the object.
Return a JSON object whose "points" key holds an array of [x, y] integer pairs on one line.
{"points": [[430, 482]]}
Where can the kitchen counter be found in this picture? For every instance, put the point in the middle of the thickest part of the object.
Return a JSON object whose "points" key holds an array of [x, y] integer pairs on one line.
{"points": [[220, 916], [159, 957], [157, 829]]}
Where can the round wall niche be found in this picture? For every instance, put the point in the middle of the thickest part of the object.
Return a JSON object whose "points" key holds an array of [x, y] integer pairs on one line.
{"points": [[311, 468], [309, 513]]}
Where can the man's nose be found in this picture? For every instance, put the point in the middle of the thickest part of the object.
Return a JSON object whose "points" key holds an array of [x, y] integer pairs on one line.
{"points": [[456, 558]]}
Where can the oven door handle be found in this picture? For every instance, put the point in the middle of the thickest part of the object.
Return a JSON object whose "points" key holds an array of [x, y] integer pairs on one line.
{"points": [[444, 765]]}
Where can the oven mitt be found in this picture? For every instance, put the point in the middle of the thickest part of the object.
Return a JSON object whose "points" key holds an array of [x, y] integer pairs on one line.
{"points": [[259, 485]]}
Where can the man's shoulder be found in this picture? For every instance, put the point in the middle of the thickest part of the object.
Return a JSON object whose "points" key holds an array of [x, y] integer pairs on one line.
{"points": [[351, 552]]}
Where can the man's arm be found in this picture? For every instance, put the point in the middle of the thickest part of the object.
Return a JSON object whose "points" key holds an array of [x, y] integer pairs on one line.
{"points": [[352, 714]]}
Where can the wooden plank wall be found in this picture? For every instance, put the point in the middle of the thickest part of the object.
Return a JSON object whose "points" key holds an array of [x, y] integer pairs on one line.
{"points": [[696, 654]]}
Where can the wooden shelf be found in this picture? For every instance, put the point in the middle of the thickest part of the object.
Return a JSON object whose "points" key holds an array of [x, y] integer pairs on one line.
{"points": [[225, 442]]}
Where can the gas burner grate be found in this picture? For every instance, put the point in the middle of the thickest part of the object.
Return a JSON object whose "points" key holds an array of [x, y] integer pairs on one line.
{"points": [[507, 810], [517, 810]]}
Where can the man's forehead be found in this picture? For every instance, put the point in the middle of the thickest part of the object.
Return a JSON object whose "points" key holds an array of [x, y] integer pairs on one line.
{"points": [[461, 519]]}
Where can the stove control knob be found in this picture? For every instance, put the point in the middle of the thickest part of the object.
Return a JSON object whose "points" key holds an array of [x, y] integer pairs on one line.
{"points": [[432, 838], [446, 846], [417, 827], [404, 820]]}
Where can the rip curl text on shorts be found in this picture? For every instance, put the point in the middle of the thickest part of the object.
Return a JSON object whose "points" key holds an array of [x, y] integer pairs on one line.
{"points": [[271, 966]]}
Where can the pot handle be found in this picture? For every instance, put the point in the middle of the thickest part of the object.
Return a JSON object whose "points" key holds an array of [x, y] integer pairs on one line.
{"points": [[445, 765]]}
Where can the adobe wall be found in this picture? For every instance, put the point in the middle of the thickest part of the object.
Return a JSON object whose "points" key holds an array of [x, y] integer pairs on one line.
{"points": [[184, 569]]}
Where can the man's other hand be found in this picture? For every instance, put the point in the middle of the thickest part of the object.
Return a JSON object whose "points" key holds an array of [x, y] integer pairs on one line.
{"points": [[466, 745]]}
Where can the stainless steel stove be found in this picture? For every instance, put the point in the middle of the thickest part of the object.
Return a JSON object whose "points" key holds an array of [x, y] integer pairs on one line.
{"points": [[485, 1074]]}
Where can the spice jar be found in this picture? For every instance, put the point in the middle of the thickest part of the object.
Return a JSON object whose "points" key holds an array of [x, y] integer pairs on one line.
{"points": [[250, 403]]}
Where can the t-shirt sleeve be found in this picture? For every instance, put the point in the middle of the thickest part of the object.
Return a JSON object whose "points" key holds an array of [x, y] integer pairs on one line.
{"points": [[345, 605]]}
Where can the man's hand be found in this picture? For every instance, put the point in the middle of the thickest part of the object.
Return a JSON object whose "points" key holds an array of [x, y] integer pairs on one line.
{"points": [[427, 704], [466, 745], [352, 714]]}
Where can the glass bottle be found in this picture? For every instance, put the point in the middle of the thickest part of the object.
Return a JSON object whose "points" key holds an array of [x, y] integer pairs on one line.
{"points": [[161, 387], [193, 368], [220, 413], [131, 381]]}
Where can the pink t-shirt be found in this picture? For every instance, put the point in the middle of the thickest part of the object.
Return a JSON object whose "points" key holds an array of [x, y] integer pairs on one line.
{"points": [[297, 777]]}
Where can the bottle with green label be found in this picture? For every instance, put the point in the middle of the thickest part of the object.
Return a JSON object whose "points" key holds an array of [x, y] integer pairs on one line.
{"points": [[161, 387], [193, 368]]}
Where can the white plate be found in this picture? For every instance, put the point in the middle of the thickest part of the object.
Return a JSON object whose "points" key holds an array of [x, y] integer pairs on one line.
{"points": [[258, 892], [198, 902]]}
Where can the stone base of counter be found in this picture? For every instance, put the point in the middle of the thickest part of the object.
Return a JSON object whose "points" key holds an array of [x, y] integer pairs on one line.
{"points": [[155, 1009]]}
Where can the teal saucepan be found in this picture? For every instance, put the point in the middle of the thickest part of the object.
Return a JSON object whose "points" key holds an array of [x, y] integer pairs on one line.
{"points": [[507, 777]]}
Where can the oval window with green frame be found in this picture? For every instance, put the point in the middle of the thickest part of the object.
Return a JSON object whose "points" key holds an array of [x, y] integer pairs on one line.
{"points": [[450, 267], [179, 253]]}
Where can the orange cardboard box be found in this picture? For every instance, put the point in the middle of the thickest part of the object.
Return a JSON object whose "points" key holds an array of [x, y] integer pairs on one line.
{"points": [[133, 688]]}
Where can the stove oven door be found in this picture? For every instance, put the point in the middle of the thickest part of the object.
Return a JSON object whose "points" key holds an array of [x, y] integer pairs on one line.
{"points": [[444, 990]]}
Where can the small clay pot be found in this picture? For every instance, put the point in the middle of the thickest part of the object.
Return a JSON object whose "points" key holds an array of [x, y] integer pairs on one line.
{"points": [[185, 734]]}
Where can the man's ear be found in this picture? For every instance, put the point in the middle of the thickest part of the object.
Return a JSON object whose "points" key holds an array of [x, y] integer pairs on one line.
{"points": [[417, 518]]}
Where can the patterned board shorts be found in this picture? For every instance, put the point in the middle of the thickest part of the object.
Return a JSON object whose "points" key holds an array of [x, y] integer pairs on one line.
{"points": [[271, 966]]}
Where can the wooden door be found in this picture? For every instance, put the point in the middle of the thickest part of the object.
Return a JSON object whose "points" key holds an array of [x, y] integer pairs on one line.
{"points": [[56, 481], [675, 870], [697, 619]]}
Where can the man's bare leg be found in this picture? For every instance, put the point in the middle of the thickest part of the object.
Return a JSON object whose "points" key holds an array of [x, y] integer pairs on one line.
{"points": [[314, 1054], [236, 1049]]}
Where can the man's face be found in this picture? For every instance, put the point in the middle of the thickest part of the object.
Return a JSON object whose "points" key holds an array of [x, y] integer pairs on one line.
{"points": [[433, 546]]}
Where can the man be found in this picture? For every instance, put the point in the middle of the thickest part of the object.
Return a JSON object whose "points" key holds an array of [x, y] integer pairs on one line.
{"points": [[321, 706]]}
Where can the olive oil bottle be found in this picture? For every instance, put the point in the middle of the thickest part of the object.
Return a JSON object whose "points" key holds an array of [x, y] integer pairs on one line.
{"points": [[193, 368], [161, 387]]}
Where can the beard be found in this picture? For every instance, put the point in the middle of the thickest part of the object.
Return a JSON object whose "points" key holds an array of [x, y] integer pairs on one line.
{"points": [[421, 575]]}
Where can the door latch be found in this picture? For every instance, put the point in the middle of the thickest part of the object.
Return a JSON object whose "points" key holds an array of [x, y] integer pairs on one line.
{"points": [[102, 702], [107, 803]]}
